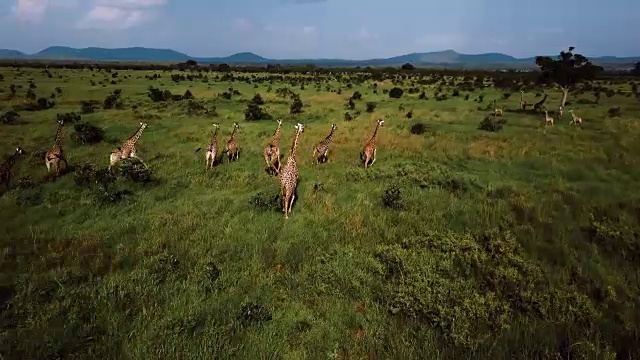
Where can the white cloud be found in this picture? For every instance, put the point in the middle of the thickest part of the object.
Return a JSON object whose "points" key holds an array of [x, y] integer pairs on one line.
{"points": [[120, 14], [308, 29], [242, 24], [30, 10], [364, 34]]}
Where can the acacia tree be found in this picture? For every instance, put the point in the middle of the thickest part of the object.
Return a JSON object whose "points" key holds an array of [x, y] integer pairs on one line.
{"points": [[567, 71], [636, 70]]}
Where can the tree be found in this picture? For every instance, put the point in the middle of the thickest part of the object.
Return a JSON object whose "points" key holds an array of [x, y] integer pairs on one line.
{"points": [[636, 70], [408, 66], [396, 93], [567, 71], [191, 63]]}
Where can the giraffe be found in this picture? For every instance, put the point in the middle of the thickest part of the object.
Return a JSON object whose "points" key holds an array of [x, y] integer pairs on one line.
{"points": [[547, 119], [575, 120], [560, 113], [7, 167], [55, 155], [231, 148], [497, 110], [128, 148], [523, 104], [271, 152], [321, 151], [368, 154], [538, 106], [290, 175], [212, 150]]}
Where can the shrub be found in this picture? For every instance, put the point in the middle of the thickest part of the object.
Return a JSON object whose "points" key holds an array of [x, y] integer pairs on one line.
{"points": [[159, 95], [187, 95], [9, 117], [135, 171], [371, 107], [423, 96], [68, 118], [85, 133], [418, 128], [396, 93], [112, 101], [296, 106], [85, 175], [615, 112], [356, 96], [257, 99], [254, 112], [490, 124], [392, 199], [265, 201], [253, 314], [350, 104], [409, 115], [88, 107], [347, 117]]}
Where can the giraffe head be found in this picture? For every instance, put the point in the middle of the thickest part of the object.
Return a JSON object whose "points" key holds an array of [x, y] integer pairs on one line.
{"points": [[334, 127], [61, 121], [279, 122], [143, 125], [19, 151], [236, 126], [300, 127], [380, 122], [216, 126]]}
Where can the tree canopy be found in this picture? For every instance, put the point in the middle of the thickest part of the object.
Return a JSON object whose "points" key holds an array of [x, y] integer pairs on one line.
{"points": [[567, 70]]}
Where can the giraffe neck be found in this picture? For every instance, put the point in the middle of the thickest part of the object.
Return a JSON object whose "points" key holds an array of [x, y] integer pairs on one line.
{"points": [[233, 133], [136, 136], [521, 97], [294, 148], [213, 137], [276, 134], [11, 161], [375, 134], [58, 134], [328, 138]]}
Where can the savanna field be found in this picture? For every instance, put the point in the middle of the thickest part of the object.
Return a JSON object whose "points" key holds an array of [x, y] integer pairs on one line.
{"points": [[508, 240]]}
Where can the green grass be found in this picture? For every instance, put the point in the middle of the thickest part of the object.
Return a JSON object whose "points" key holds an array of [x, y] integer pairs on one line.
{"points": [[517, 244]]}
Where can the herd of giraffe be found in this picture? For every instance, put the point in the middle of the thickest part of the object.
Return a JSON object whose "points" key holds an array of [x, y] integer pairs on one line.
{"points": [[288, 175], [575, 120]]}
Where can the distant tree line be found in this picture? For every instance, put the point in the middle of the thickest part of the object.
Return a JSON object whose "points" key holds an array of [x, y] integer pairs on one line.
{"points": [[191, 65]]}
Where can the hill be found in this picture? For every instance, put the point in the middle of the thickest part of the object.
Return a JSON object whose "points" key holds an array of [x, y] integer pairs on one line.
{"points": [[446, 58]]}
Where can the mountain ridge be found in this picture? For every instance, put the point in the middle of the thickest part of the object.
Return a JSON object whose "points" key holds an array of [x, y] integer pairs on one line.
{"points": [[445, 58]]}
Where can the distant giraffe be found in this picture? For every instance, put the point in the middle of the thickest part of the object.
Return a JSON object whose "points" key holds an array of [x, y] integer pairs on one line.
{"points": [[290, 175], [321, 151], [128, 148], [575, 120], [271, 152], [7, 168], [497, 110], [55, 155], [547, 119], [231, 148], [212, 150], [538, 106], [523, 104], [368, 154]]}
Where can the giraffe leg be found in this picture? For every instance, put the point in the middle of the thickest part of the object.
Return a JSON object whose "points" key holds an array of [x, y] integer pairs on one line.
{"points": [[293, 197], [48, 163], [286, 207], [374, 157]]}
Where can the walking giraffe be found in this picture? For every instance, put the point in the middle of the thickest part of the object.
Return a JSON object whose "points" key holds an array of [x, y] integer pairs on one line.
{"points": [[128, 148], [231, 148], [321, 151], [271, 152], [212, 150], [7, 168], [55, 155], [368, 154], [290, 175]]}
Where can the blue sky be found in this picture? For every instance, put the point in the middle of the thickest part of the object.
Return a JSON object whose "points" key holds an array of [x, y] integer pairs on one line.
{"points": [[355, 29]]}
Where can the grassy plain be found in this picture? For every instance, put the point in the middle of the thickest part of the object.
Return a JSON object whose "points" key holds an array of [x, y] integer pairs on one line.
{"points": [[522, 243]]}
